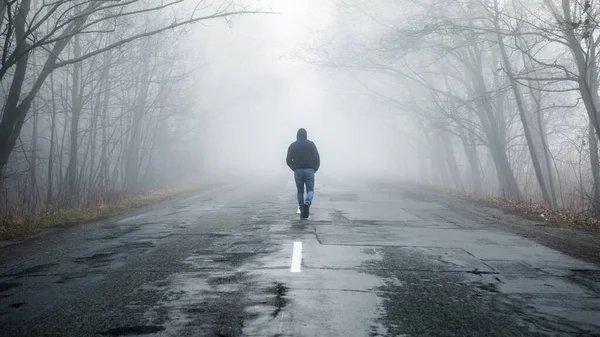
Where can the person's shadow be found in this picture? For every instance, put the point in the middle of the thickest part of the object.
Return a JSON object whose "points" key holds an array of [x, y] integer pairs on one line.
{"points": [[300, 224]]}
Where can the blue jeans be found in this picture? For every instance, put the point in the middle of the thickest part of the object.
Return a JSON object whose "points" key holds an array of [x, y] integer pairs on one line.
{"points": [[305, 176]]}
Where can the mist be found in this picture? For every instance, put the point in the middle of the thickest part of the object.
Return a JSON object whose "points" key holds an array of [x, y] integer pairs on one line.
{"points": [[267, 92], [143, 97], [156, 179]]}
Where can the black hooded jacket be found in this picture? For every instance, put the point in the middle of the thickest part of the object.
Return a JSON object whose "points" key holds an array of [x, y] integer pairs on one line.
{"points": [[303, 153]]}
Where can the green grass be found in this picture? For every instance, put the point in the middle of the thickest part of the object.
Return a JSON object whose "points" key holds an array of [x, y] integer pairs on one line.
{"points": [[16, 227]]}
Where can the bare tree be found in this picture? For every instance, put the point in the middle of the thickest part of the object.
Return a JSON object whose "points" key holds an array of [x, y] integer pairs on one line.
{"points": [[66, 20]]}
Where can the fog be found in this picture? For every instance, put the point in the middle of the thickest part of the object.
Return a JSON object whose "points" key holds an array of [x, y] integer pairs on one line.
{"points": [[256, 63], [101, 101]]}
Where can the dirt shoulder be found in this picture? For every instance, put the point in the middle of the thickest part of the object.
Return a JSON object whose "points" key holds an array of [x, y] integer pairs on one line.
{"points": [[21, 227], [573, 238], [570, 233]]}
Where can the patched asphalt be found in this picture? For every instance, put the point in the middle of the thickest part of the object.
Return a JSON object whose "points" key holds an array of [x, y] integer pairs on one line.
{"points": [[378, 259]]}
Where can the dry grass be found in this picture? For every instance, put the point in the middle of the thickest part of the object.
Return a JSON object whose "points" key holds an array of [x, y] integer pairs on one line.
{"points": [[537, 212], [14, 227]]}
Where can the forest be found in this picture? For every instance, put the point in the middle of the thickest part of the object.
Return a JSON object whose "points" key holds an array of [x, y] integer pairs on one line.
{"points": [[503, 95], [96, 98], [100, 98]]}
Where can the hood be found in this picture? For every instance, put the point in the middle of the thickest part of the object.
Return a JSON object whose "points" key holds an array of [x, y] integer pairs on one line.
{"points": [[301, 134]]}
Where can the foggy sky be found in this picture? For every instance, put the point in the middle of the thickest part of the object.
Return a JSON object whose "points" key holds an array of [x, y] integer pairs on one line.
{"points": [[264, 94]]}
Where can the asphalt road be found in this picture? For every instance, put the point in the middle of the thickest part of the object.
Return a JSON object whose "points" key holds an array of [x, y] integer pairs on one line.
{"points": [[375, 259]]}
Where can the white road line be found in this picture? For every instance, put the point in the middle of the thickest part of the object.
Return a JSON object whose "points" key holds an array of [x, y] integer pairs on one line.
{"points": [[296, 257]]}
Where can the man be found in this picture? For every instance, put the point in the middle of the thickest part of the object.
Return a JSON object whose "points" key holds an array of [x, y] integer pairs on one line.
{"points": [[303, 159]]}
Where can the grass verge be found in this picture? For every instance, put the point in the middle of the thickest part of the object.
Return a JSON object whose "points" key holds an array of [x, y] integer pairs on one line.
{"points": [[17, 227], [537, 212]]}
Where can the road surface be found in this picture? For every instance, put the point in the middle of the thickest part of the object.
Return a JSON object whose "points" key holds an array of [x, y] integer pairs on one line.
{"points": [[374, 259]]}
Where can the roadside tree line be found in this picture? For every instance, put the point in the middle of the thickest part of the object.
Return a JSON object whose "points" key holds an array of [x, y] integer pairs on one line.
{"points": [[98, 98], [502, 89]]}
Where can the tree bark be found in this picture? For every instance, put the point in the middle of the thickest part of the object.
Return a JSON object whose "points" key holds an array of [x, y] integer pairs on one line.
{"points": [[473, 158], [76, 101], [52, 140], [595, 163], [93, 137], [3, 5], [15, 113], [451, 160], [33, 197], [12, 120], [491, 118], [521, 107], [132, 166], [586, 63], [62, 177]]}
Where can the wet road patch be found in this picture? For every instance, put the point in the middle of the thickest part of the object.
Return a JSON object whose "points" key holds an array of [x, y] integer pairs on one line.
{"points": [[428, 259], [32, 270], [133, 330], [17, 305], [215, 302], [428, 300], [280, 300], [227, 279], [96, 258], [121, 251], [438, 303], [4, 286], [138, 245]]}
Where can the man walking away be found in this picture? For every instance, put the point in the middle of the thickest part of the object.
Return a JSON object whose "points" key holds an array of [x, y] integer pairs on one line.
{"points": [[303, 159]]}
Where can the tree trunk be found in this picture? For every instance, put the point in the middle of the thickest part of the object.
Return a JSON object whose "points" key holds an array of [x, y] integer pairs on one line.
{"points": [[93, 136], [594, 161], [518, 96], [586, 64], [14, 112], [538, 130], [76, 99], [62, 177], [473, 158], [12, 120], [52, 140], [132, 168], [547, 158], [3, 5], [497, 148], [451, 160], [493, 122], [33, 197], [104, 162]]}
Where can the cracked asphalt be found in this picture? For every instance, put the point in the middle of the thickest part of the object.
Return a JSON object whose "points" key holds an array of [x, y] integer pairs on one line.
{"points": [[378, 259]]}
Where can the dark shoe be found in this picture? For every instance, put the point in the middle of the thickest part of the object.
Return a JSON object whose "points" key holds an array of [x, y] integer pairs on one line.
{"points": [[306, 210], [301, 211]]}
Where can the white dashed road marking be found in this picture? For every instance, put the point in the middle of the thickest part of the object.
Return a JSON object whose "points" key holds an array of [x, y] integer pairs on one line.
{"points": [[296, 257]]}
